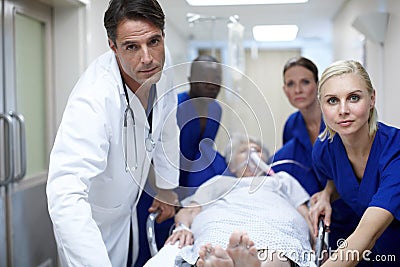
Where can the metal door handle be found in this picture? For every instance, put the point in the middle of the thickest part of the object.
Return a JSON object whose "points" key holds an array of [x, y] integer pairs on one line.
{"points": [[9, 151], [22, 145]]}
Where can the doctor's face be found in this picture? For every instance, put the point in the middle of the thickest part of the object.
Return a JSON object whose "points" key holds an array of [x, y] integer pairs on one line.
{"points": [[300, 87], [139, 48]]}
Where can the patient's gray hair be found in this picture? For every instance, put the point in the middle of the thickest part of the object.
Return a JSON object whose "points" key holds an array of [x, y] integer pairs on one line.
{"points": [[238, 139]]}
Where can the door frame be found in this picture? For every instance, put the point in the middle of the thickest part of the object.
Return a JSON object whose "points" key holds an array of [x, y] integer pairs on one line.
{"points": [[18, 196]]}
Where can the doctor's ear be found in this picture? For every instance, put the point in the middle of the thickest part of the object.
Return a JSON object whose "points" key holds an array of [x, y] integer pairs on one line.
{"points": [[112, 45]]}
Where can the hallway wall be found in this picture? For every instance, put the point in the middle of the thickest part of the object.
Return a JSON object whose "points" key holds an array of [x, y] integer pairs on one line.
{"points": [[381, 60]]}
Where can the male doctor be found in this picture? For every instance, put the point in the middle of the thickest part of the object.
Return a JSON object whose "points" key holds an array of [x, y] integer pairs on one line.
{"points": [[119, 116]]}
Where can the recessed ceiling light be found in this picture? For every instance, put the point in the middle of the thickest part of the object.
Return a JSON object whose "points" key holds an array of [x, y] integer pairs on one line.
{"points": [[274, 33], [241, 2]]}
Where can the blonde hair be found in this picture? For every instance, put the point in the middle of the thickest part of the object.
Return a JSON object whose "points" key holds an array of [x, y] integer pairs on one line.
{"points": [[345, 67]]}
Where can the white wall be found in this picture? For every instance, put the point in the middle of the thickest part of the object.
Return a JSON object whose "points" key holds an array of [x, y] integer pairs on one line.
{"points": [[381, 61], [69, 52], [96, 35], [177, 45], [391, 96]]}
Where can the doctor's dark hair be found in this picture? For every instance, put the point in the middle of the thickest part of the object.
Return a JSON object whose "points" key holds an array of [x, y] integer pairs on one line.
{"points": [[302, 62], [345, 67], [118, 10]]}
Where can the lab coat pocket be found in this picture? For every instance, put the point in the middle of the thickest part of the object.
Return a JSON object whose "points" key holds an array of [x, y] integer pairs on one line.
{"points": [[107, 218]]}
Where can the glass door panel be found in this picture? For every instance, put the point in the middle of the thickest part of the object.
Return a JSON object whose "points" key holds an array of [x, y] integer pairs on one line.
{"points": [[30, 89]]}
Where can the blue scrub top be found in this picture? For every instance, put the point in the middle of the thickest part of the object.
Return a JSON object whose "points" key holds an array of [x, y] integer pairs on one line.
{"points": [[379, 187], [297, 146], [199, 161]]}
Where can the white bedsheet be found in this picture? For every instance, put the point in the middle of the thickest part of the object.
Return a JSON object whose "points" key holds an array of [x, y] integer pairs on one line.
{"points": [[268, 215], [166, 257]]}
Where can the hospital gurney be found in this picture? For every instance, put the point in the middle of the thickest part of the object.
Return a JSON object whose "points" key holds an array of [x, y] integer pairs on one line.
{"points": [[171, 250]]}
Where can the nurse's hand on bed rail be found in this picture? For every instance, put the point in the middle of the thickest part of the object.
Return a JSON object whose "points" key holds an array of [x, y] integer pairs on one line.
{"points": [[181, 233], [320, 206], [165, 202]]}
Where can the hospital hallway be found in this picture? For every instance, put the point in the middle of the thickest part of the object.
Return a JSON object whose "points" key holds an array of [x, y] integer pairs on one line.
{"points": [[46, 45]]}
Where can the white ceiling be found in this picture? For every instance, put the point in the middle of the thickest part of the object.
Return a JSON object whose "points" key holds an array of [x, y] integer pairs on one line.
{"points": [[313, 18]]}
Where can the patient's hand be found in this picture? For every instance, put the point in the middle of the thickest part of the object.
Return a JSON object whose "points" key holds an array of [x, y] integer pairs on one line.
{"points": [[184, 219], [183, 234]]}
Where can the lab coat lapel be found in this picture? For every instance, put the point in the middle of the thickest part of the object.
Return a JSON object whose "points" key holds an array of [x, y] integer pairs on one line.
{"points": [[141, 130], [161, 90]]}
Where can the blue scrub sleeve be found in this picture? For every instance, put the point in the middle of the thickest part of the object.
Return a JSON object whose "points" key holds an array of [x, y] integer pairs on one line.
{"points": [[288, 128], [320, 161], [388, 194]]}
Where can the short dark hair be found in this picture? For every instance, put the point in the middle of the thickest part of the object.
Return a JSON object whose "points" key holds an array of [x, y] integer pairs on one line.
{"points": [[303, 62], [119, 10], [199, 59]]}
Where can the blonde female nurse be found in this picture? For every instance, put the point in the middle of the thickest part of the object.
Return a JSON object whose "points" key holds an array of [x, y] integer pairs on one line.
{"points": [[360, 157]]}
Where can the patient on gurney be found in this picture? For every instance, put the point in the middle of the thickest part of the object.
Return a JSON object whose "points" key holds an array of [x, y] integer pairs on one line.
{"points": [[270, 210]]}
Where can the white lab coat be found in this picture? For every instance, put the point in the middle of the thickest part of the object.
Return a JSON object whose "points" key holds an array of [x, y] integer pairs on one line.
{"points": [[91, 198]]}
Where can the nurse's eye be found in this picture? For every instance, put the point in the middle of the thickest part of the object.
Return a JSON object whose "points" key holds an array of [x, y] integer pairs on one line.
{"points": [[305, 82], [290, 84], [332, 100], [354, 98]]}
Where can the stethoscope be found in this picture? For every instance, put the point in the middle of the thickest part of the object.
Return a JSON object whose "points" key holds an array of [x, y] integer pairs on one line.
{"points": [[149, 142]]}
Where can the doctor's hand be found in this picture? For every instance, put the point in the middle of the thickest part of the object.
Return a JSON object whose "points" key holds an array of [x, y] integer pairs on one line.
{"points": [[165, 202]]}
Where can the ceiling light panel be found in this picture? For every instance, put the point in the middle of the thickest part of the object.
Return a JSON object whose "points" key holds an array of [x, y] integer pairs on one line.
{"points": [[275, 33]]}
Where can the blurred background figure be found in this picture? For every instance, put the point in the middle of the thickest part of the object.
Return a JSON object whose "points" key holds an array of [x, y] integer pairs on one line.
{"points": [[199, 116]]}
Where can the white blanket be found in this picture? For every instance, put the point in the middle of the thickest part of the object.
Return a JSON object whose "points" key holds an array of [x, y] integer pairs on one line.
{"points": [[167, 255], [267, 214]]}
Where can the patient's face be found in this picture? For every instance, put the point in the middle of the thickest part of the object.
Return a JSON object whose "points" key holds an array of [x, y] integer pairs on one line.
{"points": [[242, 165]]}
